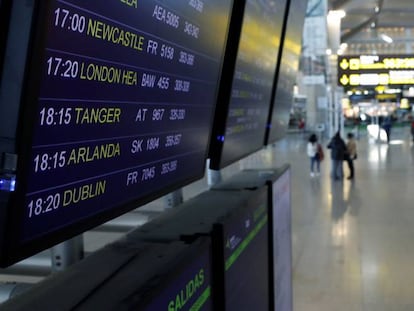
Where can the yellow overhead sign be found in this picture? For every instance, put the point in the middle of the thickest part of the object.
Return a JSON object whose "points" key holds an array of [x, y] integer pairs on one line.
{"points": [[372, 70]]}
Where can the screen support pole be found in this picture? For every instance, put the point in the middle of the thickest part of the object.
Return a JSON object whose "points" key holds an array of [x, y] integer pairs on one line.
{"points": [[174, 198], [213, 177], [67, 253]]}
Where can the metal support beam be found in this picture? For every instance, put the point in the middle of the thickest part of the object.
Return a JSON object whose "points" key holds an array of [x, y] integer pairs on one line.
{"points": [[67, 253], [174, 199], [213, 177]]}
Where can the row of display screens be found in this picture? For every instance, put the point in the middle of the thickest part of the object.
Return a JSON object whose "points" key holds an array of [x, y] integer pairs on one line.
{"points": [[243, 262], [106, 106]]}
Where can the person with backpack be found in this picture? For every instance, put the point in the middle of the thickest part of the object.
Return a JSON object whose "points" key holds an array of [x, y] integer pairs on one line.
{"points": [[315, 154]]}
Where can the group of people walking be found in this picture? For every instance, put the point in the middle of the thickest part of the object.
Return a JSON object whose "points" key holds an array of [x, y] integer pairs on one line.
{"points": [[340, 152]]}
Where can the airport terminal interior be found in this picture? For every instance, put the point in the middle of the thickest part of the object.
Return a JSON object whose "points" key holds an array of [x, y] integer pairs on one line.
{"points": [[352, 240], [191, 160]]}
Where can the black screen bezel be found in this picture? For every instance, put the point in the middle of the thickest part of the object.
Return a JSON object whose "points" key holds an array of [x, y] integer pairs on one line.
{"points": [[294, 18], [219, 244], [12, 249], [5, 10], [222, 108]]}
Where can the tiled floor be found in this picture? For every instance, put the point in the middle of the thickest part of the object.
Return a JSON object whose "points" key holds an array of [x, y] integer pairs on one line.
{"points": [[353, 241]]}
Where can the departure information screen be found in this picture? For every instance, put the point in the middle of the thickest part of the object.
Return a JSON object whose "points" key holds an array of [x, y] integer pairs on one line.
{"points": [[189, 287], [123, 107], [288, 68], [253, 79], [246, 256]]}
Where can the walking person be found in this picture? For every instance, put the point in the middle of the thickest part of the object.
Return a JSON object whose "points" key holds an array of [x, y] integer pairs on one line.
{"points": [[351, 154], [338, 149], [314, 153], [386, 125]]}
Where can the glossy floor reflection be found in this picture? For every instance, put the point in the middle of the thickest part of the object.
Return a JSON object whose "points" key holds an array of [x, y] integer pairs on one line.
{"points": [[353, 241]]}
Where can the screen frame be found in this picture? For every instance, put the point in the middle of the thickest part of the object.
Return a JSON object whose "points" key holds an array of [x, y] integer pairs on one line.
{"points": [[225, 86], [197, 249], [291, 17], [285, 170], [13, 249], [217, 143], [276, 80], [218, 242], [5, 11]]}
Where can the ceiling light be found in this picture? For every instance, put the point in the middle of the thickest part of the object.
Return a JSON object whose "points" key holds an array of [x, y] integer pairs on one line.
{"points": [[386, 38], [335, 14]]}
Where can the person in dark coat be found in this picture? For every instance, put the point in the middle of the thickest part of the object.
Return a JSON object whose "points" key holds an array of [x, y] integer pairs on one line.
{"points": [[386, 125], [338, 150]]}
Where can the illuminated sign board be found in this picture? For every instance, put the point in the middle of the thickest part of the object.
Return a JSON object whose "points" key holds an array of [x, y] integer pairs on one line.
{"points": [[372, 70], [117, 111]]}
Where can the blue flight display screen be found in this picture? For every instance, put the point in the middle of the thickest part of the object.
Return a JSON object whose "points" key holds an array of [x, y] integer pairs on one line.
{"points": [[253, 79], [123, 108]]}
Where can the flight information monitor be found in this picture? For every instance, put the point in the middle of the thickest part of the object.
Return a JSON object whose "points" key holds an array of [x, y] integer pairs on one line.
{"points": [[287, 71], [246, 257], [187, 286], [162, 278], [247, 106], [117, 108]]}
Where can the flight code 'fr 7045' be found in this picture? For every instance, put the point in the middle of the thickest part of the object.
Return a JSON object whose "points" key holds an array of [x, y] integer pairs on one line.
{"points": [[149, 173]]}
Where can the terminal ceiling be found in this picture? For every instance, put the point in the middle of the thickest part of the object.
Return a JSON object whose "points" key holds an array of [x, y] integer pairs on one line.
{"points": [[367, 20]]}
